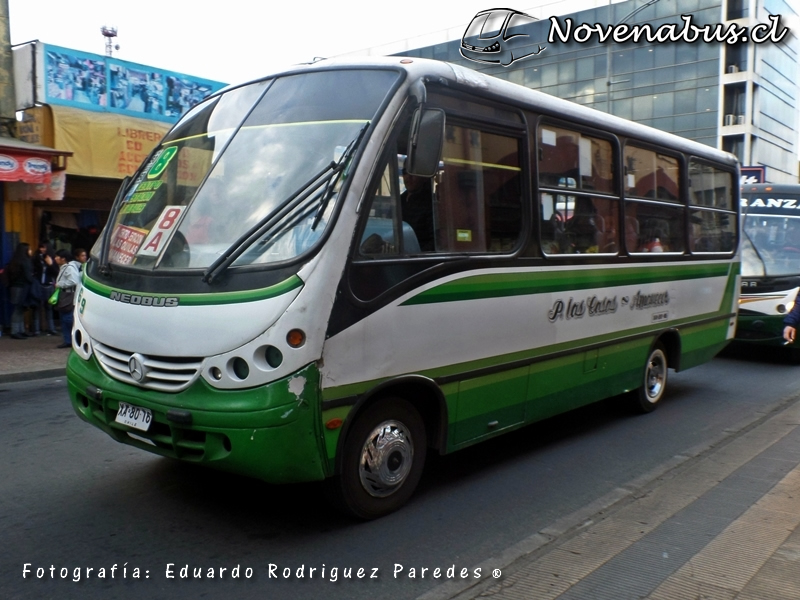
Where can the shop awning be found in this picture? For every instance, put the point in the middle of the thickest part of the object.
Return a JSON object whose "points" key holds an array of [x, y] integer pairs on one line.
{"points": [[28, 163]]}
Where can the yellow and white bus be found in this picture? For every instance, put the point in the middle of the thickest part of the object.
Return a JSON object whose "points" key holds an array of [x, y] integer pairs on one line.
{"points": [[330, 272]]}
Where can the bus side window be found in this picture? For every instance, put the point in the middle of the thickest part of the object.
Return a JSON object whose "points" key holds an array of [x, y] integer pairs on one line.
{"points": [[479, 196], [380, 233], [712, 211]]}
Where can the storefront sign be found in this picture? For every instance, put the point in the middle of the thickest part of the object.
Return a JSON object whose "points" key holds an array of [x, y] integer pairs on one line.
{"points": [[16, 166], [751, 175], [104, 144], [100, 83], [17, 191]]}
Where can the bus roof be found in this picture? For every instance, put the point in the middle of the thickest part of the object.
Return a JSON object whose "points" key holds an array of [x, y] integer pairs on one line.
{"points": [[512, 93]]}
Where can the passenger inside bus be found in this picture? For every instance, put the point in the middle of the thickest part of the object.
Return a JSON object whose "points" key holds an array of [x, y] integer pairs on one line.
{"points": [[417, 208], [582, 227], [791, 242]]}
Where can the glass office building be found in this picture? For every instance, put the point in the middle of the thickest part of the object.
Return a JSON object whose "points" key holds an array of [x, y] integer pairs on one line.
{"points": [[741, 97]]}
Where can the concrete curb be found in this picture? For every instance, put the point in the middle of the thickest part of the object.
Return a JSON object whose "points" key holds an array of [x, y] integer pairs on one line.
{"points": [[32, 375]]}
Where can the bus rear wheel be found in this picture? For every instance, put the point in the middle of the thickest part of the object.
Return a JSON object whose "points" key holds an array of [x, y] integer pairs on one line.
{"points": [[382, 461], [645, 399]]}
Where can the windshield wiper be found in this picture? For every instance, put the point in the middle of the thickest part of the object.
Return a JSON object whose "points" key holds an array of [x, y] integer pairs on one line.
{"points": [[285, 209], [340, 166]]}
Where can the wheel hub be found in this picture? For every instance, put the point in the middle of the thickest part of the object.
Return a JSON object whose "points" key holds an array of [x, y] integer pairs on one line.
{"points": [[655, 377], [386, 459]]}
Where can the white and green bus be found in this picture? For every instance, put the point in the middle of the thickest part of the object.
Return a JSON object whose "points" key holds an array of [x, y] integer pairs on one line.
{"points": [[770, 261], [330, 272]]}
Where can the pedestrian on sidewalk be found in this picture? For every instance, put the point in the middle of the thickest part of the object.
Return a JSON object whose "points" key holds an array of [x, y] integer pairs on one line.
{"points": [[67, 282], [45, 271], [20, 279], [80, 255], [791, 322]]}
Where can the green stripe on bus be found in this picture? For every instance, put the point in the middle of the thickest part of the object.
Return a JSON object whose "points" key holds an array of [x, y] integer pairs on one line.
{"points": [[207, 299], [499, 285], [464, 371]]}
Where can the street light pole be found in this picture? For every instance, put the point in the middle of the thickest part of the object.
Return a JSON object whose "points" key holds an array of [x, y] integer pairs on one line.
{"points": [[631, 14]]}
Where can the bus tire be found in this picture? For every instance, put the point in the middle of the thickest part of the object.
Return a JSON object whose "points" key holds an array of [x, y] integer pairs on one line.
{"points": [[646, 397], [382, 460]]}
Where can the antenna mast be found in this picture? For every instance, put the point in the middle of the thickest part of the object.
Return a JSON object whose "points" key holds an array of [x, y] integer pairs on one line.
{"points": [[109, 33]]}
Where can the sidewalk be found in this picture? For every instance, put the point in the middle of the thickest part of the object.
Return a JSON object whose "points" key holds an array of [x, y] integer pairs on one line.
{"points": [[720, 523], [33, 358]]}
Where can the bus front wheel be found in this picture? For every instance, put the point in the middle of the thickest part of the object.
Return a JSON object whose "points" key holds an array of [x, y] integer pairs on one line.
{"points": [[382, 460], [645, 399]]}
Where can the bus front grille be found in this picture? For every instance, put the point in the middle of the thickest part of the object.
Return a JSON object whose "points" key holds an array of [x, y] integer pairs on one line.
{"points": [[159, 373]]}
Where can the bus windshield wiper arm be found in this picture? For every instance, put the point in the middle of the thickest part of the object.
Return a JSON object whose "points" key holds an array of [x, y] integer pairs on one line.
{"points": [[340, 166], [285, 208], [250, 236]]}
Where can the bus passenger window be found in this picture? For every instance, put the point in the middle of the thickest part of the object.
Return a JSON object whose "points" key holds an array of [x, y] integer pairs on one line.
{"points": [[660, 227], [472, 204], [479, 192], [712, 216], [572, 159]]}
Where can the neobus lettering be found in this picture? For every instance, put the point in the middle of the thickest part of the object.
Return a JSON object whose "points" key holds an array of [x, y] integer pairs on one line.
{"points": [[145, 300]]}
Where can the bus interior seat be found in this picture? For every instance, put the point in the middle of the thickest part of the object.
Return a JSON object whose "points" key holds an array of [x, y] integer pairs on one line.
{"points": [[378, 238]]}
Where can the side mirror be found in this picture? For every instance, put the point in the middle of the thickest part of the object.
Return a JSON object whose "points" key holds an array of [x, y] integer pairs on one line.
{"points": [[425, 142]]}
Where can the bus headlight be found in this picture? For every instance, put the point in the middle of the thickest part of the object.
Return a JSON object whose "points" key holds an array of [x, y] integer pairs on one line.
{"points": [[81, 342]]}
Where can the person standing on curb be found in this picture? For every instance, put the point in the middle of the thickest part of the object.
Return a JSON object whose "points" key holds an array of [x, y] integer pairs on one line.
{"points": [[45, 270], [20, 279], [68, 279]]}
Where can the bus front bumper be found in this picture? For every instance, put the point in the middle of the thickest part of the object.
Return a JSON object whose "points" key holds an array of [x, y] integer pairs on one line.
{"points": [[271, 433], [760, 329]]}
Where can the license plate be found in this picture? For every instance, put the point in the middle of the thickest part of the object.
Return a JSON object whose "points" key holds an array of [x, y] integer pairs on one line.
{"points": [[134, 416]]}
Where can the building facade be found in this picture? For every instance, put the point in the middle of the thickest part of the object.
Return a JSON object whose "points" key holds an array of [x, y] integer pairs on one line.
{"points": [[718, 89], [92, 120]]}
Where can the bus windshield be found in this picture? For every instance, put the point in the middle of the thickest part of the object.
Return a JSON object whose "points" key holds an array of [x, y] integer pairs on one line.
{"points": [[772, 241], [260, 153]]}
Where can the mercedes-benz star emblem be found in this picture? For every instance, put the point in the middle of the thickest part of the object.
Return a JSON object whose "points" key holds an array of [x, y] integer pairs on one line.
{"points": [[136, 367]]}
